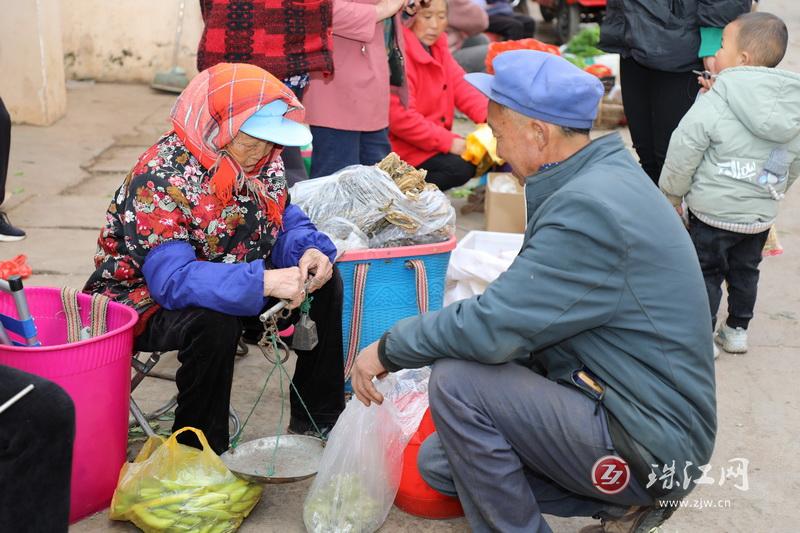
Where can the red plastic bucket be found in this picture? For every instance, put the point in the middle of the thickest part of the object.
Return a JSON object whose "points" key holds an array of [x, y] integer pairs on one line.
{"points": [[96, 374], [415, 496]]}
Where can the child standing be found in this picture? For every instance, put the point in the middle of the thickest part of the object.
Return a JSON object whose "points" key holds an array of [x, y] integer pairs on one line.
{"points": [[731, 159]]}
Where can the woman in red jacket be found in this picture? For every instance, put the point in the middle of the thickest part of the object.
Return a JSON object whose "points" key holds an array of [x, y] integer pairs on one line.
{"points": [[421, 131]]}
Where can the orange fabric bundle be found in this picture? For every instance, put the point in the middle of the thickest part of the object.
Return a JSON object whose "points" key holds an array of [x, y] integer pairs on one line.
{"points": [[523, 44], [16, 266]]}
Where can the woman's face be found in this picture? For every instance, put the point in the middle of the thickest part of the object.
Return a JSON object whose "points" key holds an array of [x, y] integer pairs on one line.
{"points": [[248, 151], [430, 22]]}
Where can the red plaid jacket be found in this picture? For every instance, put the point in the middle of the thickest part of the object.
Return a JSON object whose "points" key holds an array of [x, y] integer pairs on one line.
{"points": [[284, 37]]}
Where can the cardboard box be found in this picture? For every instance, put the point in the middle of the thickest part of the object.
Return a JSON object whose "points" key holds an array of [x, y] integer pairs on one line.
{"points": [[505, 212]]}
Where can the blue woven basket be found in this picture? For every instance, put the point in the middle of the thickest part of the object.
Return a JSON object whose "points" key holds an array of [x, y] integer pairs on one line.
{"points": [[390, 290]]}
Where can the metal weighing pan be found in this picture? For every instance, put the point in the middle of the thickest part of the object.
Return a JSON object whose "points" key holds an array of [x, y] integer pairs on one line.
{"points": [[298, 458]]}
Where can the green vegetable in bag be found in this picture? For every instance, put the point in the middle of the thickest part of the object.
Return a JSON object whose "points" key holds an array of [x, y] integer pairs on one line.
{"points": [[343, 506], [575, 60], [584, 43], [174, 488]]}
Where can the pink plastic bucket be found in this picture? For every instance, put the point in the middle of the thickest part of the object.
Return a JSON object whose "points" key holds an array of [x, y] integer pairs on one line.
{"points": [[96, 374]]}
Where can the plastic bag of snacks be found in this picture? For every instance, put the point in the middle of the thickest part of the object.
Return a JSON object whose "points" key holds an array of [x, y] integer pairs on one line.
{"points": [[360, 470], [171, 487], [481, 149], [773, 245]]}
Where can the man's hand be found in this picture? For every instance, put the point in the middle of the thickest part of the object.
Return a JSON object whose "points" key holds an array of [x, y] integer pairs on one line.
{"points": [[366, 367], [285, 284], [318, 264], [678, 209]]}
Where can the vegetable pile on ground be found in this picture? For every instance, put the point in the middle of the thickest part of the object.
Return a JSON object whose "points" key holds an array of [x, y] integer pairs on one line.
{"points": [[499, 47], [584, 43]]}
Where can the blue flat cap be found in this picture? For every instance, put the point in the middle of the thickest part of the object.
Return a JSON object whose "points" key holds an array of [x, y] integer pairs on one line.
{"points": [[542, 86]]}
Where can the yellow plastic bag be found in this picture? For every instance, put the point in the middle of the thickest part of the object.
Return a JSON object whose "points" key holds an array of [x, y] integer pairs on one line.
{"points": [[481, 149], [173, 488]]}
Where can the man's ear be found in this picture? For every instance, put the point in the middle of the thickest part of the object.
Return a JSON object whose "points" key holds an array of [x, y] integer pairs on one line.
{"points": [[541, 134]]}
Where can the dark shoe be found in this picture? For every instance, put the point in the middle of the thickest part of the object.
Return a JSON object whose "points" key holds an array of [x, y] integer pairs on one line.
{"points": [[9, 232], [307, 428], [252, 336], [635, 520], [241, 348]]}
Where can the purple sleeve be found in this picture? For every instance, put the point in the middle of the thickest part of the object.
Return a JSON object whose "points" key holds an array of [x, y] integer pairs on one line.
{"points": [[177, 280], [298, 235]]}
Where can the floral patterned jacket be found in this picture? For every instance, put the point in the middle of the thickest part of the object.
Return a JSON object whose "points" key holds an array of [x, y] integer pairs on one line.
{"points": [[167, 197]]}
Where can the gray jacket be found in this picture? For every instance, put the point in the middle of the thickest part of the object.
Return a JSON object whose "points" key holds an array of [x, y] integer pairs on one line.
{"points": [[664, 34], [607, 280], [717, 153]]}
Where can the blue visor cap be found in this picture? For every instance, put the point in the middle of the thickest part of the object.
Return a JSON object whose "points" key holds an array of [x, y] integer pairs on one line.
{"points": [[269, 124], [542, 86]]}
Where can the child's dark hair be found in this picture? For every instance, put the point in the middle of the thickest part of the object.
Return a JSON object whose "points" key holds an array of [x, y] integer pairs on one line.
{"points": [[764, 36]]}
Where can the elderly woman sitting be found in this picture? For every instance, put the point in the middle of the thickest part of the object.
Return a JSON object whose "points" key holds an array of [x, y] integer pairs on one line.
{"points": [[201, 235], [421, 131]]}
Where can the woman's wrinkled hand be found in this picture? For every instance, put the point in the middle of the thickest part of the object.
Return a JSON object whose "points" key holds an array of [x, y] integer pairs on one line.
{"points": [[316, 263], [285, 284]]}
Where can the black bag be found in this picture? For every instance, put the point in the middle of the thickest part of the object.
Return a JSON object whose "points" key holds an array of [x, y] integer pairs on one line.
{"points": [[397, 67]]}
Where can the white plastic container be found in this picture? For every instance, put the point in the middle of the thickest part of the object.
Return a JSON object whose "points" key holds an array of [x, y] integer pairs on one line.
{"points": [[491, 242]]}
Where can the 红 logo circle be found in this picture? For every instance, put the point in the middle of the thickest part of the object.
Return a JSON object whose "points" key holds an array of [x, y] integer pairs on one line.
{"points": [[610, 474]]}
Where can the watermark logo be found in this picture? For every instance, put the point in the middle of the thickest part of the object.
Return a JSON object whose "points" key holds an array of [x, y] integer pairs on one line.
{"points": [[670, 477], [610, 474]]}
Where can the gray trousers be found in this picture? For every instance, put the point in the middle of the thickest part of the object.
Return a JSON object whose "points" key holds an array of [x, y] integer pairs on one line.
{"points": [[512, 444], [472, 54]]}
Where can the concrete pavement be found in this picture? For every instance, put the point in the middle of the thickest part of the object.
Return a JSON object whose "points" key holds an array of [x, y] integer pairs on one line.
{"points": [[63, 177]]}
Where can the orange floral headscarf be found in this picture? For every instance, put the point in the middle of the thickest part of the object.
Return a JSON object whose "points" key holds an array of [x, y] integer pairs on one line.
{"points": [[212, 108]]}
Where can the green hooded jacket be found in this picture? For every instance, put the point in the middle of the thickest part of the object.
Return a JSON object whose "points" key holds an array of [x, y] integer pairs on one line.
{"points": [[607, 280], [716, 156]]}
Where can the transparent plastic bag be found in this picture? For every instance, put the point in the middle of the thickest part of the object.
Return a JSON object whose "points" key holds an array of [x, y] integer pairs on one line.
{"points": [[773, 246], [171, 487], [360, 469], [436, 216], [367, 197], [344, 234]]}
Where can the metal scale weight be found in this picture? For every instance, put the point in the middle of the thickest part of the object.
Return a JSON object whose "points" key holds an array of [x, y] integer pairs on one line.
{"points": [[282, 458]]}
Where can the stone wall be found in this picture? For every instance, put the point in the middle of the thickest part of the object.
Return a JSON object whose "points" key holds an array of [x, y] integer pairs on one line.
{"points": [[127, 40], [32, 61]]}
